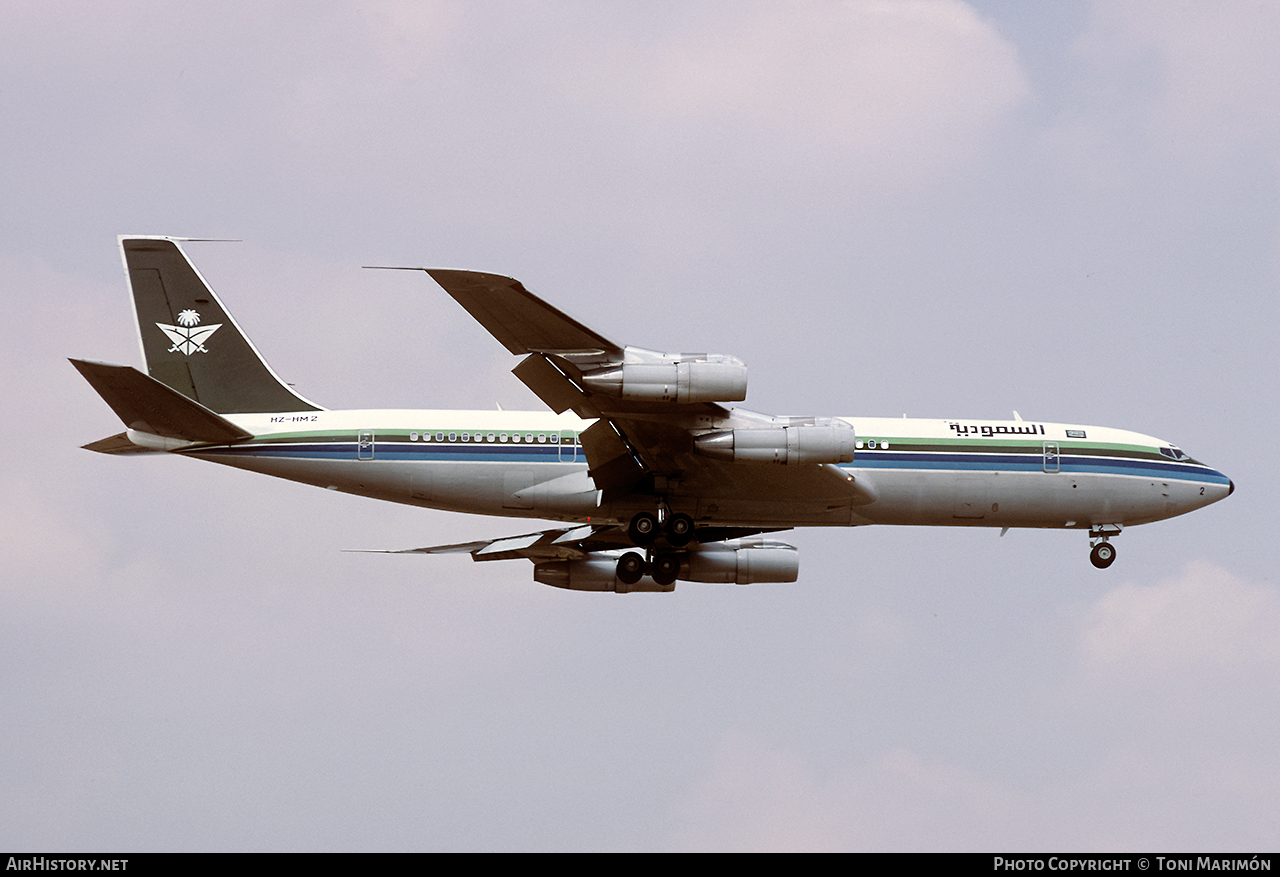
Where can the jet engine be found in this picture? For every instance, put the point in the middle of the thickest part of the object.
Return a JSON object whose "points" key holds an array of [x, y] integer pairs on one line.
{"points": [[736, 562], [591, 574], [824, 441], [689, 378], [742, 562]]}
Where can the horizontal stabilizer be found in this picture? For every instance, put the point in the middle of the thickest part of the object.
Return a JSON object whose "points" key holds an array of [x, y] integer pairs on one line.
{"points": [[146, 405], [119, 444]]}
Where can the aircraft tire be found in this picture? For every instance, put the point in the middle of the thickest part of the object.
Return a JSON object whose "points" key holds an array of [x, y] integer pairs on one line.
{"points": [[665, 568], [630, 568], [679, 530], [1102, 555], [643, 529]]}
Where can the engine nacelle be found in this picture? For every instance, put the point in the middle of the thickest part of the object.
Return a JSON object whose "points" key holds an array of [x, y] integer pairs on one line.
{"points": [[735, 562], [714, 379], [743, 562], [826, 441], [591, 574]]}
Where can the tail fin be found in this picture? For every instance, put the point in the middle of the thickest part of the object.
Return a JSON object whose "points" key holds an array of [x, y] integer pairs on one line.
{"points": [[189, 340]]}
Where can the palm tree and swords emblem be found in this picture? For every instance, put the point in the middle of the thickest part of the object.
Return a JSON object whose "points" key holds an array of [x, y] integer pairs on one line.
{"points": [[188, 336]]}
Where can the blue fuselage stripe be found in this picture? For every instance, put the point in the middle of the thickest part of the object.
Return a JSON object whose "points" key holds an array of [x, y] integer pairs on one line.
{"points": [[869, 459], [417, 453], [1067, 463]]}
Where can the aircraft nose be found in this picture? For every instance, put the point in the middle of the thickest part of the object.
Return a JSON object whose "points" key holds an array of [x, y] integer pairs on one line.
{"points": [[1229, 485], [1219, 488]]}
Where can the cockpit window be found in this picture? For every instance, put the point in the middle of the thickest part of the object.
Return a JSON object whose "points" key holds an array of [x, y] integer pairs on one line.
{"points": [[1174, 454]]}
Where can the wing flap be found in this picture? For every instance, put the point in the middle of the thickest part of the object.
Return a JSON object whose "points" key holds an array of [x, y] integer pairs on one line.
{"points": [[610, 462], [553, 387]]}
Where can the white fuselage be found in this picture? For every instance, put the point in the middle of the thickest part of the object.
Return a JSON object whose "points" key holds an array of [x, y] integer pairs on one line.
{"points": [[904, 471]]}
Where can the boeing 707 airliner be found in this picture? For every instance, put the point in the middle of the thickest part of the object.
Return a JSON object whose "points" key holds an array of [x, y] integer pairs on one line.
{"points": [[654, 476]]}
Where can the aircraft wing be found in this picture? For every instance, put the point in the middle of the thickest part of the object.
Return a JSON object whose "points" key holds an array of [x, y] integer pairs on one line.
{"points": [[633, 437], [561, 543], [521, 321], [648, 406]]}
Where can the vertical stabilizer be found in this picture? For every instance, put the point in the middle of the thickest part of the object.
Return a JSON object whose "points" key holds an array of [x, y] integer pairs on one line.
{"points": [[190, 342]]}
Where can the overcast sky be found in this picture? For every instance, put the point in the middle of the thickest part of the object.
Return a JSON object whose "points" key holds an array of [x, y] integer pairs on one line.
{"points": [[928, 207]]}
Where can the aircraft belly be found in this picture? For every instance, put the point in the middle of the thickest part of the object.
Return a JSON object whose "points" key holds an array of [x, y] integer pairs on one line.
{"points": [[543, 489], [769, 513], [942, 498], [524, 490], [1011, 499], [384, 480]]}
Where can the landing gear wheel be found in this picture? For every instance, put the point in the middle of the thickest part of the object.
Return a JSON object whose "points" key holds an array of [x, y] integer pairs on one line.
{"points": [[679, 530], [643, 529], [1102, 555], [630, 568], [665, 568]]}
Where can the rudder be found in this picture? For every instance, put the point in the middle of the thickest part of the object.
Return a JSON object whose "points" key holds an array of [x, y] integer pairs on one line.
{"points": [[189, 340]]}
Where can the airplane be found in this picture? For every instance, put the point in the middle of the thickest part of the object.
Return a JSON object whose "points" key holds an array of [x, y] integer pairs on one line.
{"points": [[653, 475]]}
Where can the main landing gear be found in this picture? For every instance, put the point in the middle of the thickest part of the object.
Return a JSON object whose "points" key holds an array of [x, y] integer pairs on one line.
{"points": [[664, 568], [644, 530], [1103, 553], [631, 567], [645, 527]]}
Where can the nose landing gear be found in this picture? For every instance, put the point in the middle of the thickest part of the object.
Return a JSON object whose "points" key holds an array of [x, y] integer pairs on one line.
{"points": [[1103, 553]]}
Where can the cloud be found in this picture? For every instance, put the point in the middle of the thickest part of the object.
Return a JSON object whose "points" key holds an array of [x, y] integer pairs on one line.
{"points": [[208, 670], [1170, 702], [868, 90], [767, 799], [1203, 622], [1195, 84], [864, 89]]}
